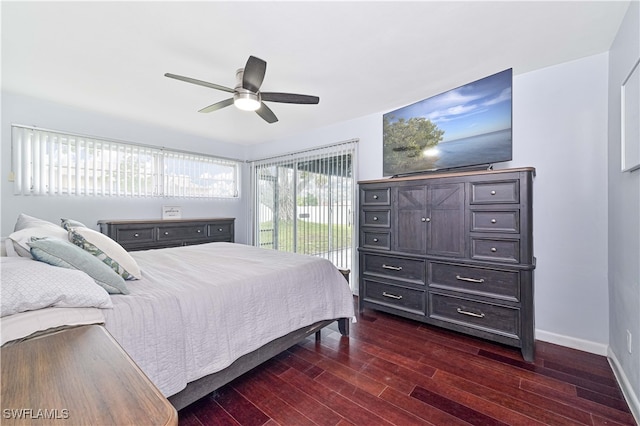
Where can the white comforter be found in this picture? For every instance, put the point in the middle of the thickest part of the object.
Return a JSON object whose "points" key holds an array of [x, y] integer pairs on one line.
{"points": [[198, 308]]}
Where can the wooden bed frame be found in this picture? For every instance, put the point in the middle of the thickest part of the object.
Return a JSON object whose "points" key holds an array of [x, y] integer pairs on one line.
{"points": [[202, 387]]}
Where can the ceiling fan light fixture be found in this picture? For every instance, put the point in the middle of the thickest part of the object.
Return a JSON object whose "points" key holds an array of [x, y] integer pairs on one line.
{"points": [[246, 101]]}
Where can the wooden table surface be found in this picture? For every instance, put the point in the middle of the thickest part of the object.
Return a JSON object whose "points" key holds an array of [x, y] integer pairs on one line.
{"points": [[80, 376]]}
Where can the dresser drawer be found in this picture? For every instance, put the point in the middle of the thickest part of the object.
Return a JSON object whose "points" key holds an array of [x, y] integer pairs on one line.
{"points": [[181, 232], [495, 192], [375, 197], [409, 270], [471, 313], [135, 235], [495, 221], [375, 240], [380, 218], [495, 250], [487, 282], [398, 297], [222, 230]]}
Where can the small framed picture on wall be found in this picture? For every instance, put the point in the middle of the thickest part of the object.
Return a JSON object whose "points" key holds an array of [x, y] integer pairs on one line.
{"points": [[171, 212]]}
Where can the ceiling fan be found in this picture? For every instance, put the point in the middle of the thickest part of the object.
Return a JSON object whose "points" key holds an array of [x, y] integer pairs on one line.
{"points": [[247, 95]]}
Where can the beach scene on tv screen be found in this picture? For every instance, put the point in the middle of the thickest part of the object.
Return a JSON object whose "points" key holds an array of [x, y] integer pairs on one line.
{"points": [[469, 125]]}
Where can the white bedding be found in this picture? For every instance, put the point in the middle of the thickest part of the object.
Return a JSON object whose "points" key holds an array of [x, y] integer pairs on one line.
{"points": [[198, 308], [25, 324]]}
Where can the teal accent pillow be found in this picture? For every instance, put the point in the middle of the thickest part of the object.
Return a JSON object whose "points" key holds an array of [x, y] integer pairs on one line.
{"points": [[62, 253]]}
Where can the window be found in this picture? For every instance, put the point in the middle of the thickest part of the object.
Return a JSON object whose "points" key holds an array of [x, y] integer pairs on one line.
{"points": [[46, 162], [304, 202]]}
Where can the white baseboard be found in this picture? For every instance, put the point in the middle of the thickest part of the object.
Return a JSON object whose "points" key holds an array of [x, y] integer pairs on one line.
{"points": [[573, 342], [625, 385]]}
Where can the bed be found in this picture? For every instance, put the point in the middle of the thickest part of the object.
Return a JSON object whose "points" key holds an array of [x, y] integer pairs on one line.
{"points": [[200, 316]]}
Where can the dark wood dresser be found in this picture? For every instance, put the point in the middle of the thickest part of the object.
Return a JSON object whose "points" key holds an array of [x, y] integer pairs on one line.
{"points": [[152, 234], [453, 250]]}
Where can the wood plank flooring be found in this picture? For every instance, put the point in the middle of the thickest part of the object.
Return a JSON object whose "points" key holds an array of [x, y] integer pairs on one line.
{"points": [[394, 371]]}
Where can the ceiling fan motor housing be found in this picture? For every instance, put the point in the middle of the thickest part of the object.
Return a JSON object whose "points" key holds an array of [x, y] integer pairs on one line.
{"points": [[242, 98]]}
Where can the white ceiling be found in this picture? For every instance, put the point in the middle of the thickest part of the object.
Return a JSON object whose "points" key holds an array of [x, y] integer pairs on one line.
{"points": [[358, 57]]}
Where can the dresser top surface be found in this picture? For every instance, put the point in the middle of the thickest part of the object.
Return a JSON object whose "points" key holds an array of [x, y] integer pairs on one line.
{"points": [[164, 221], [444, 174]]}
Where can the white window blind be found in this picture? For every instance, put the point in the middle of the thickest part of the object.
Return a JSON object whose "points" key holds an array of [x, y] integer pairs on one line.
{"points": [[304, 202], [47, 162]]}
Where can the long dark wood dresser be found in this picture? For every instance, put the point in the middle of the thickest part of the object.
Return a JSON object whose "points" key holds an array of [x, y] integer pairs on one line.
{"points": [[151, 234], [453, 250]]}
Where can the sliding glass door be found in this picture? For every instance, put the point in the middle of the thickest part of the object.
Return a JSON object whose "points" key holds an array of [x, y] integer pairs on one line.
{"points": [[304, 203]]}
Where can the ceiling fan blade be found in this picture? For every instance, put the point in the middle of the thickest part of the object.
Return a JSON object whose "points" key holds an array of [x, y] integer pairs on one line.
{"points": [[253, 74], [289, 98], [266, 114], [217, 105], [199, 82]]}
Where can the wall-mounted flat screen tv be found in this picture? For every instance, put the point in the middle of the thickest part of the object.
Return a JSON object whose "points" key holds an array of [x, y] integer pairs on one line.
{"points": [[463, 127]]}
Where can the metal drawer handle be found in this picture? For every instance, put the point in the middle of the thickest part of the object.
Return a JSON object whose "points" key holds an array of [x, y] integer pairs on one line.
{"points": [[493, 249], [136, 235], [166, 232], [471, 280], [219, 229], [471, 314], [493, 221], [375, 240], [392, 296], [375, 197], [493, 192], [426, 219], [199, 231], [375, 218], [393, 268]]}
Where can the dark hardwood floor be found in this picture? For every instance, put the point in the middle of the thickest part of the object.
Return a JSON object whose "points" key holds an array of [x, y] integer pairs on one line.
{"points": [[393, 371]]}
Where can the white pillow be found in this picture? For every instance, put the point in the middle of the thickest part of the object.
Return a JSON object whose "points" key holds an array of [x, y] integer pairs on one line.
{"points": [[107, 250], [71, 223], [29, 285], [26, 221], [21, 237]]}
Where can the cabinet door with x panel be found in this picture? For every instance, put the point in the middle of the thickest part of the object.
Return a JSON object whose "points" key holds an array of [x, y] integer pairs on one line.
{"points": [[429, 219]]}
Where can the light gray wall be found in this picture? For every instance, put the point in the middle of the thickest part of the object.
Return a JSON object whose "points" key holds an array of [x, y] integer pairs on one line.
{"points": [[367, 129], [17, 109], [624, 216], [560, 128]]}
